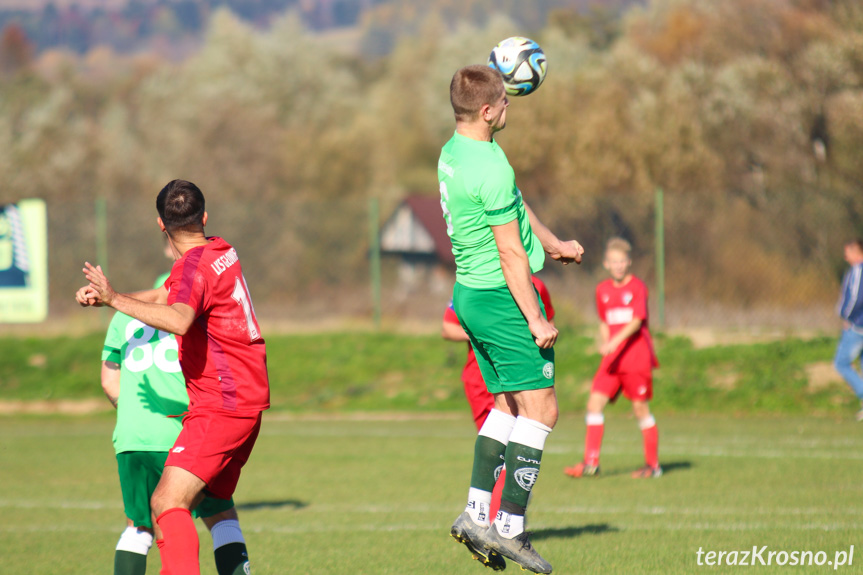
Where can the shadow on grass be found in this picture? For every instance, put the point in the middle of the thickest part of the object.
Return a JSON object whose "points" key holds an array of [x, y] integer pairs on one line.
{"points": [[571, 532], [667, 467], [673, 466], [292, 503]]}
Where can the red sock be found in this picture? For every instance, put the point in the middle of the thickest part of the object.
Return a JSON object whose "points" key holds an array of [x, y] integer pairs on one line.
{"points": [[496, 493], [179, 545], [160, 543], [651, 445], [593, 438]]}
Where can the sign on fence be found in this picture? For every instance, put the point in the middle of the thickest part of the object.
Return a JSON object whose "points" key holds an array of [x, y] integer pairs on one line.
{"points": [[23, 262]]}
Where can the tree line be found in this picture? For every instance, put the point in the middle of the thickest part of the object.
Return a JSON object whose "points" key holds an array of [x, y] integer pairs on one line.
{"points": [[748, 111], [140, 25]]}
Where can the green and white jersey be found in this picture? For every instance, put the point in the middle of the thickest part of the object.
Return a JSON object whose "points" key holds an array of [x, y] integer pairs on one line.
{"points": [[152, 386], [477, 188]]}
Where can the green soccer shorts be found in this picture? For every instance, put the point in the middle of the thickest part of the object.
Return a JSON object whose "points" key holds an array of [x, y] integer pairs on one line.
{"points": [[140, 472], [506, 352]]}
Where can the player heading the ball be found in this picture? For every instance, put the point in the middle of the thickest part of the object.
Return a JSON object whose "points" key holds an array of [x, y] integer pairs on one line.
{"points": [[498, 242]]}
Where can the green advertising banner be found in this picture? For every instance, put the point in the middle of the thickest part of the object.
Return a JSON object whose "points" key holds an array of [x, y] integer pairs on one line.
{"points": [[23, 262]]}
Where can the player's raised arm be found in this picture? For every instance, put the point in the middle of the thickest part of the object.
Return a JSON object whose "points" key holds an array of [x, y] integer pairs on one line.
{"points": [[87, 296], [174, 319], [157, 295], [563, 251]]}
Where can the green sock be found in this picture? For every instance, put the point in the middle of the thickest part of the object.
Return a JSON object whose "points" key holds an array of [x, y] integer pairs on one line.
{"points": [[487, 456], [231, 559], [522, 469], [128, 563]]}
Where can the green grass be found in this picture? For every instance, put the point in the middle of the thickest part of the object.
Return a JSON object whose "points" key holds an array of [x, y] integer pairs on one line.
{"points": [[336, 372], [355, 496]]}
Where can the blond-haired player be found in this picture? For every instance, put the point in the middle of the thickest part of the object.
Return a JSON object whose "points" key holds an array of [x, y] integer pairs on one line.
{"points": [[628, 360]]}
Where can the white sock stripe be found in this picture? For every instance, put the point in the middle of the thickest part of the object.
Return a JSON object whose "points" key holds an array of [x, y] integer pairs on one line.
{"points": [[479, 495], [595, 419], [498, 426], [508, 525], [226, 532], [479, 504], [135, 541], [530, 433], [647, 422]]}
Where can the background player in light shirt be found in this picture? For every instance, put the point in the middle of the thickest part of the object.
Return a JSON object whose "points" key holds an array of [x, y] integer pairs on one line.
{"points": [[628, 360], [223, 357]]}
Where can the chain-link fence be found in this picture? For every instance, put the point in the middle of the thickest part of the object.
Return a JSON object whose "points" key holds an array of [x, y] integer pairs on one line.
{"points": [[303, 261], [728, 263]]}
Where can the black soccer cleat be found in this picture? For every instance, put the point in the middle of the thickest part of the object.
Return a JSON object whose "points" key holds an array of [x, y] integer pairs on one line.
{"points": [[518, 549], [473, 536]]}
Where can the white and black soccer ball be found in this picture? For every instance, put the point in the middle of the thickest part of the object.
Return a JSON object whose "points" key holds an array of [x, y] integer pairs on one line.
{"points": [[522, 64]]}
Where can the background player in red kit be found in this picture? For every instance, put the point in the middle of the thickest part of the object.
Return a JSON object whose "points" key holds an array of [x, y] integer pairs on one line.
{"points": [[628, 360], [478, 397], [206, 302]]}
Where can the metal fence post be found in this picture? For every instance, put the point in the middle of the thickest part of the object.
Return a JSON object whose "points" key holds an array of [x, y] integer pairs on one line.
{"points": [[660, 256], [375, 260], [102, 243]]}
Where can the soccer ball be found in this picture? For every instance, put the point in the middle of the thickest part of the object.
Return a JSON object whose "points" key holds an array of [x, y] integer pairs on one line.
{"points": [[522, 64]]}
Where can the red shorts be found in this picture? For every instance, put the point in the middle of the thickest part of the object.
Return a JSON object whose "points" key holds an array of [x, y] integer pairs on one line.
{"points": [[636, 386], [214, 446]]}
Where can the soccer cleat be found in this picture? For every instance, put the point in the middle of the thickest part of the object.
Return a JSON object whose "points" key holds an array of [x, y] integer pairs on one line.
{"points": [[582, 469], [473, 536], [859, 415], [647, 472], [518, 549]]}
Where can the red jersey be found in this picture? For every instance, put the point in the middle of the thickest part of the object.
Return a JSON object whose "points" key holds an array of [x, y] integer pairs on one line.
{"points": [[223, 355], [617, 306], [471, 372]]}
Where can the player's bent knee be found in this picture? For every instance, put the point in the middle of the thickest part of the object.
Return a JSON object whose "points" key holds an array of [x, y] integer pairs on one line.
{"points": [[641, 409], [594, 408], [158, 505], [597, 401], [553, 417], [549, 416]]}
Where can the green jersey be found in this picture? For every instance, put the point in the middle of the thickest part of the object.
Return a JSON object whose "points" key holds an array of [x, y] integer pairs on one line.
{"points": [[477, 187], [152, 386]]}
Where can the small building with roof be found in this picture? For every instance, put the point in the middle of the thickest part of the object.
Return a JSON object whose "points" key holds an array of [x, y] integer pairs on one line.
{"points": [[416, 235]]}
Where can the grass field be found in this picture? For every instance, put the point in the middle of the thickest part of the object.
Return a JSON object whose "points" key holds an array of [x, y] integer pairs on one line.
{"points": [[337, 372], [340, 495]]}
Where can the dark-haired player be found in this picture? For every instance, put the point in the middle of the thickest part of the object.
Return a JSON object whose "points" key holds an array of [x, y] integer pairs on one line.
{"points": [[223, 357]]}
